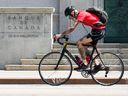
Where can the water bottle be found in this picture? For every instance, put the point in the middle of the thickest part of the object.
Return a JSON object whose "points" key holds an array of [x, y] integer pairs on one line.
{"points": [[78, 60]]}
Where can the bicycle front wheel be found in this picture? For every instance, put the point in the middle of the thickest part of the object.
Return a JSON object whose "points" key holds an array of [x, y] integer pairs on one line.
{"points": [[52, 72], [111, 69]]}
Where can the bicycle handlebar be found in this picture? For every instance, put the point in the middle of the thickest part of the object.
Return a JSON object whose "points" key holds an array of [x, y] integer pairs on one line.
{"points": [[65, 38]]}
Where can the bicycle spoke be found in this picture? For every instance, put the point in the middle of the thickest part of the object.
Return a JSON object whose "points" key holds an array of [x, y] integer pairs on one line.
{"points": [[112, 72], [53, 76]]}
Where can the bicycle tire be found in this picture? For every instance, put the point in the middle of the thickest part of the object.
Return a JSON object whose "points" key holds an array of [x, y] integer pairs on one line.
{"points": [[111, 64], [53, 76]]}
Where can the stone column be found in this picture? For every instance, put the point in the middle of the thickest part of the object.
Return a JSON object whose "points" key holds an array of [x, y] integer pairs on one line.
{"points": [[24, 32], [99, 3], [64, 22]]}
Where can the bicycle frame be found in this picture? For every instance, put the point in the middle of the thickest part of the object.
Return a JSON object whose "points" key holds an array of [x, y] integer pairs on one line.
{"points": [[64, 50]]}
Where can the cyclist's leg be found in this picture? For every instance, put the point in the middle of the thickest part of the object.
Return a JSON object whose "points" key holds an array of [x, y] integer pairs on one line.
{"points": [[86, 40]]}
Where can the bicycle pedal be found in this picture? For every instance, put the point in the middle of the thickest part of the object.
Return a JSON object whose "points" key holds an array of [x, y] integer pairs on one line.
{"points": [[85, 74]]}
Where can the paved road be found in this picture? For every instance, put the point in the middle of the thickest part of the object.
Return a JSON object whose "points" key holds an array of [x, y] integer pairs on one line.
{"points": [[64, 90]]}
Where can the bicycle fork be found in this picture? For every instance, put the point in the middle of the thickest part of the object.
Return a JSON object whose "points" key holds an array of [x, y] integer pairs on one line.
{"points": [[105, 67], [62, 54]]}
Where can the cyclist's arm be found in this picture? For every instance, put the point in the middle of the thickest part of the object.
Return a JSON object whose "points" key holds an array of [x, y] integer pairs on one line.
{"points": [[70, 29]]}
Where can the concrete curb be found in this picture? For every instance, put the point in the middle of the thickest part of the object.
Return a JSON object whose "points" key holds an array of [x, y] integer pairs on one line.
{"points": [[39, 81]]}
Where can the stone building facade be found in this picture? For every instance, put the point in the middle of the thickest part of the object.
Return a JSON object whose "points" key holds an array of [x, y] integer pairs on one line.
{"points": [[116, 31]]}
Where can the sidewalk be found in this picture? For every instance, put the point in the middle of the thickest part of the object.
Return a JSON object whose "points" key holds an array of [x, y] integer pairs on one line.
{"points": [[32, 77]]}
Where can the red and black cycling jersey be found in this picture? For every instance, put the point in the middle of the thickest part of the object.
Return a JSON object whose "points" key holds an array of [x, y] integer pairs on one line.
{"points": [[89, 19]]}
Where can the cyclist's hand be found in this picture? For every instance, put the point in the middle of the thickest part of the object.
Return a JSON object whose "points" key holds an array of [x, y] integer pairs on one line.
{"points": [[56, 37]]}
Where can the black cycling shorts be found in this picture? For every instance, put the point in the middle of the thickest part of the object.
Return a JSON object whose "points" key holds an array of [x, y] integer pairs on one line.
{"points": [[96, 34]]}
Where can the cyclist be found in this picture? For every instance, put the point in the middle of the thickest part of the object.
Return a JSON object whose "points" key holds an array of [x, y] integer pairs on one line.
{"points": [[88, 19]]}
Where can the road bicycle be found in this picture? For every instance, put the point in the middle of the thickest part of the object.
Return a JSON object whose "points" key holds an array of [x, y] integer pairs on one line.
{"points": [[55, 68]]}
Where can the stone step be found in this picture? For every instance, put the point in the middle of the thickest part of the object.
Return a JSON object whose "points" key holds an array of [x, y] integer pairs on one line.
{"points": [[30, 61], [114, 50], [39, 56], [21, 67], [100, 45], [36, 61], [29, 67], [123, 56], [48, 67], [31, 64]]}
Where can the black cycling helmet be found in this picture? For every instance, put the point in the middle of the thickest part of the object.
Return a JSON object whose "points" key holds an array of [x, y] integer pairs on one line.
{"points": [[68, 10]]}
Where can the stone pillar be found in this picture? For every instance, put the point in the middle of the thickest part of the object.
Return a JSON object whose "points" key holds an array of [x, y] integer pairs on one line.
{"points": [[64, 22], [99, 3], [24, 32]]}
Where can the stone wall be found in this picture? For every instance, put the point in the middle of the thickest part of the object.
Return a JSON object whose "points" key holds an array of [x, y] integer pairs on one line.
{"points": [[24, 32], [36, 3]]}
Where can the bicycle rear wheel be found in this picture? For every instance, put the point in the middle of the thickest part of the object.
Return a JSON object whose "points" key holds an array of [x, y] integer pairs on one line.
{"points": [[52, 74], [110, 71]]}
